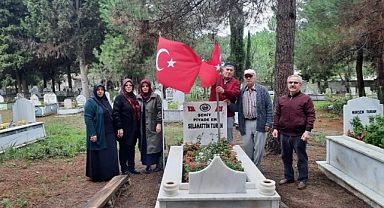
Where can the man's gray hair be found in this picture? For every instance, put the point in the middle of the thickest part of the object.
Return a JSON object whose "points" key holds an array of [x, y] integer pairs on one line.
{"points": [[295, 75]]}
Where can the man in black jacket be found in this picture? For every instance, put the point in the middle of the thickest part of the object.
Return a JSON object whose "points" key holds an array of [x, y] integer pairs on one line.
{"points": [[293, 122]]}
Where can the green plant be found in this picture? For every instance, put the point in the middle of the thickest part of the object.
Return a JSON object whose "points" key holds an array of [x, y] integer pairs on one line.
{"points": [[336, 104], [173, 105], [373, 133], [6, 203], [196, 157]]}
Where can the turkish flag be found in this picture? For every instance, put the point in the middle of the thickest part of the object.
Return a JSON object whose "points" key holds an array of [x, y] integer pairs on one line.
{"points": [[209, 70], [177, 65]]}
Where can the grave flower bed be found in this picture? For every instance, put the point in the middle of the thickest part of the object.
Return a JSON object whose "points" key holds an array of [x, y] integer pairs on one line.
{"points": [[196, 157], [372, 134]]}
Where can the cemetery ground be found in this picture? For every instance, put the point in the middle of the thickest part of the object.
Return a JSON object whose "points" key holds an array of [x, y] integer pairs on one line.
{"points": [[61, 181]]}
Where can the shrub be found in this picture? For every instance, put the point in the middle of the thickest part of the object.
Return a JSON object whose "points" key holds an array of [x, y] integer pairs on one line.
{"points": [[372, 133]]}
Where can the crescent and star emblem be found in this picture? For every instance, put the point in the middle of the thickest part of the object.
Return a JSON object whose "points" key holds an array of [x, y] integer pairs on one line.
{"points": [[170, 62]]}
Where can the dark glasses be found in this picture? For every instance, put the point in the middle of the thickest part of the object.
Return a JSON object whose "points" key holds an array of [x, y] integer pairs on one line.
{"points": [[293, 83]]}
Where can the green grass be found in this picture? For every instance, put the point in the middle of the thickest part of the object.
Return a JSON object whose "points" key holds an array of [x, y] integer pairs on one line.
{"points": [[64, 137]]}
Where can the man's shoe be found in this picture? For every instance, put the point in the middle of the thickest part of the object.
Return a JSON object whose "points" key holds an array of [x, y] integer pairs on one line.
{"points": [[301, 185], [284, 181], [126, 172], [134, 171], [148, 170]]}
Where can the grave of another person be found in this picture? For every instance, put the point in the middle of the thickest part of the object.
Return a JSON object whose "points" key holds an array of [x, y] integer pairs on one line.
{"points": [[23, 128], [50, 105]]}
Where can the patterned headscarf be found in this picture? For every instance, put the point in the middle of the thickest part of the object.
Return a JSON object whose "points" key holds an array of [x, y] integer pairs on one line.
{"points": [[147, 95], [131, 98]]}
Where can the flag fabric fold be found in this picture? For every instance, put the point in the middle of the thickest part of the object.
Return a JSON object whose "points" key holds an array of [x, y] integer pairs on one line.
{"points": [[209, 70], [177, 65]]}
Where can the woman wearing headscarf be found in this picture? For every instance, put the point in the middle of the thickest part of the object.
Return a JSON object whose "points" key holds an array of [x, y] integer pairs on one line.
{"points": [[101, 160], [151, 146], [126, 115]]}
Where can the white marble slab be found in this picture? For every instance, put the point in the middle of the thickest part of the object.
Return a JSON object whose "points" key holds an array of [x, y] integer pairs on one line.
{"points": [[356, 166], [251, 198], [20, 135], [80, 99], [67, 103]]}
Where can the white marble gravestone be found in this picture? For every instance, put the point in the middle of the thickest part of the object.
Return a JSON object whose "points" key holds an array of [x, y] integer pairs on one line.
{"points": [[363, 107], [169, 93], [1, 99], [157, 91], [23, 109], [353, 91], [50, 98], [19, 95], [80, 99], [35, 100], [35, 90], [67, 103], [200, 121], [178, 96], [217, 178], [2, 92]]}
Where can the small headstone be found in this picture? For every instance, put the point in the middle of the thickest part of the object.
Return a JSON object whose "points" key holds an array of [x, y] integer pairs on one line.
{"points": [[67, 103], [19, 95], [1, 99], [1, 119], [328, 91], [35, 100], [368, 91], [2, 92], [353, 91], [178, 96], [363, 107], [169, 93], [50, 98], [23, 109], [35, 90], [217, 178], [80, 99]]}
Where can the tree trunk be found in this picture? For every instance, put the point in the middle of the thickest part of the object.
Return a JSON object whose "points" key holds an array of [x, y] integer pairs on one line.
{"points": [[285, 39], [18, 81], [359, 72], [380, 73], [84, 78], [236, 24], [69, 78]]}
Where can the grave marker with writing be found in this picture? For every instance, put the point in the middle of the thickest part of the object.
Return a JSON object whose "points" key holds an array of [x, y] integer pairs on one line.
{"points": [[200, 121], [362, 107]]}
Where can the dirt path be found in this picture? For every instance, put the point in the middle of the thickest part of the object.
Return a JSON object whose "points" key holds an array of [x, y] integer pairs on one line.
{"points": [[58, 182]]}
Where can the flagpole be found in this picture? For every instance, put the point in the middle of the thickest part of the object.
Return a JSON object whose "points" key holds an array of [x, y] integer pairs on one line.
{"points": [[162, 123], [218, 109]]}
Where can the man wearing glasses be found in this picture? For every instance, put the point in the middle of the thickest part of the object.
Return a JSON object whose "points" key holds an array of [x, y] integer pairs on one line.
{"points": [[228, 88], [254, 107], [293, 122]]}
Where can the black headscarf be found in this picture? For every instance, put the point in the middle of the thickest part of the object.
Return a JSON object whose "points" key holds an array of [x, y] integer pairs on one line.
{"points": [[102, 101]]}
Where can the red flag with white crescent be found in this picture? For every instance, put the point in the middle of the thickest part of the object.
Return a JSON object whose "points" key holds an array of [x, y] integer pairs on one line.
{"points": [[209, 70], [177, 65]]}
